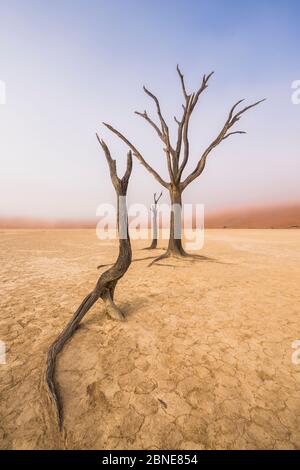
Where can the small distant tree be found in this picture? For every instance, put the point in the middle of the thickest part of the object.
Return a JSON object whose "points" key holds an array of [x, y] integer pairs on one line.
{"points": [[104, 288], [154, 225], [177, 155]]}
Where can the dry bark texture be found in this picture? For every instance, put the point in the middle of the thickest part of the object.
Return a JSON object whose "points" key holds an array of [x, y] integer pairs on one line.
{"points": [[105, 286]]}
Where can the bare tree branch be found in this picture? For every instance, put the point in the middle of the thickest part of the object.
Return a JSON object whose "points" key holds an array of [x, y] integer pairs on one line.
{"points": [[156, 199], [145, 116], [232, 133], [138, 155], [231, 120], [190, 103], [162, 121], [202, 88], [183, 133], [128, 171], [182, 82], [165, 137], [111, 163]]}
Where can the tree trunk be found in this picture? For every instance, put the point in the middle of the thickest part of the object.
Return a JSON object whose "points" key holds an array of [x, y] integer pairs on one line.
{"points": [[175, 243], [154, 228], [104, 288], [154, 225]]}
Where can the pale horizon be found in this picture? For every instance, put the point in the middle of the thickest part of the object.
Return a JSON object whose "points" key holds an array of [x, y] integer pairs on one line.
{"points": [[267, 216]]}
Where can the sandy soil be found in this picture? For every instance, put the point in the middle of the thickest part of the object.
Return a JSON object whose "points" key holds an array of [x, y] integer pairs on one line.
{"points": [[203, 361]]}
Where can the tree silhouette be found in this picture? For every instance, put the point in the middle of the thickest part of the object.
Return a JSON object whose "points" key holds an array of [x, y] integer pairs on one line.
{"points": [[154, 222], [106, 284]]}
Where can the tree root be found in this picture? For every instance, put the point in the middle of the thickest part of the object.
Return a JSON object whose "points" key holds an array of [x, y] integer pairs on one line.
{"points": [[165, 255], [57, 346], [133, 261], [182, 255], [112, 310]]}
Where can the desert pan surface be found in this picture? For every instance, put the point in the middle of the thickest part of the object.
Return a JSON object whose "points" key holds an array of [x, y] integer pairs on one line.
{"points": [[203, 361]]}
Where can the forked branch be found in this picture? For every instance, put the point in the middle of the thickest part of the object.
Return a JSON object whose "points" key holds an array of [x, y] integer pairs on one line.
{"points": [[157, 198], [163, 123], [145, 116], [165, 137], [138, 155], [183, 125], [223, 134]]}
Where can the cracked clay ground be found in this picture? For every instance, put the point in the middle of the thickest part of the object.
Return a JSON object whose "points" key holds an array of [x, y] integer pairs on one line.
{"points": [[203, 361]]}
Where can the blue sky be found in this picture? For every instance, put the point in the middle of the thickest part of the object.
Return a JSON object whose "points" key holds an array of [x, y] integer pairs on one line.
{"points": [[69, 65]]}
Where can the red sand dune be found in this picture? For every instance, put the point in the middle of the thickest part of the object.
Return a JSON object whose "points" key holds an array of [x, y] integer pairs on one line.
{"points": [[283, 216], [280, 216], [16, 222]]}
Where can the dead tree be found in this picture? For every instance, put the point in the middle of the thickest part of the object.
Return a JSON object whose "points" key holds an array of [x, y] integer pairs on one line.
{"points": [[177, 155], [154, 222], [106, 284]]}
